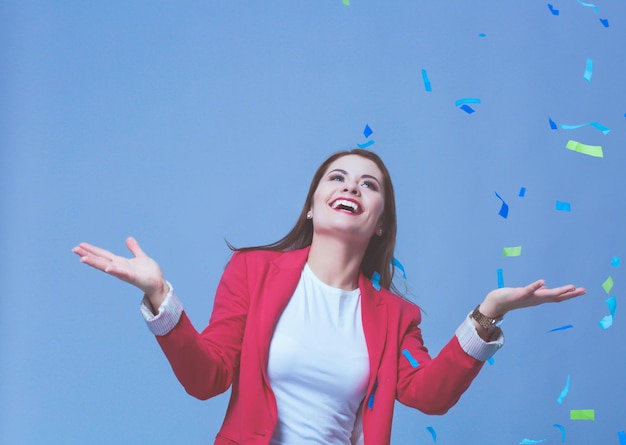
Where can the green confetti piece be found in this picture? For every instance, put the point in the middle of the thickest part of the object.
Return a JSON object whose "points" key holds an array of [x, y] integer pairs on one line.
{"points": [[512, 251], [591, 150], [608, 285], [582, 414]]}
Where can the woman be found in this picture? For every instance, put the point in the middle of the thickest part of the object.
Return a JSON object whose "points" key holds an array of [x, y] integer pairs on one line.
{"points": [[316, 351]]}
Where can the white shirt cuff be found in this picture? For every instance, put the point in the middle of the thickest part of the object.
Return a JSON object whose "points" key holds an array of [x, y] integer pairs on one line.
{"points": [[475, 346], [168, 315]]}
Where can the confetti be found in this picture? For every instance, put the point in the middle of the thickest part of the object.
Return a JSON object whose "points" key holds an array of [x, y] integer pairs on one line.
{"points": [[410, 358], [522, 192], [346, 2], [564, 391], [588, 70], [367, 144], [608, 285], [512, 251], [376, 280], [615, 261], [563, 206], [466, 100], [504, 209], [432, 432], [562, 328], [590, 5], [482, 34], [530, 441], [398, 264], [607, 321], [467, 109], [591, 150], [491, 361], [427, 86], [552, 10], [597, 125], [582, 414], [553, 125], [500, 279], [605, 22], [562, 428], [621, 435], [367, 131], [370, 400]]}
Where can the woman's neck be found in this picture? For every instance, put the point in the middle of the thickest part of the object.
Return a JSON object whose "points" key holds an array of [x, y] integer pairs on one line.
{"points": [[336, 262]]}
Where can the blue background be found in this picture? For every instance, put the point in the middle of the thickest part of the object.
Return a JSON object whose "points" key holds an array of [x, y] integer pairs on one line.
{"points": [[187, 124]]}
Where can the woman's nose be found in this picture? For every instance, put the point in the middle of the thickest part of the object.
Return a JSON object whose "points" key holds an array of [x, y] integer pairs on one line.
{"points": [[352, 188]]}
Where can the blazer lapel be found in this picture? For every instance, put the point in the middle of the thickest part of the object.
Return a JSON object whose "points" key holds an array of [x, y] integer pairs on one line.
{"points": [[282, 280]]}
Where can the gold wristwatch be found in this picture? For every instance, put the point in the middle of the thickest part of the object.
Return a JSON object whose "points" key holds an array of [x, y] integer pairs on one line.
{"points": [[486, 322]]}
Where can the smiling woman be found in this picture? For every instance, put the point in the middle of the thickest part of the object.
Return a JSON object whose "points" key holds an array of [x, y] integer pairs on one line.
{"points": [[312, 351]]}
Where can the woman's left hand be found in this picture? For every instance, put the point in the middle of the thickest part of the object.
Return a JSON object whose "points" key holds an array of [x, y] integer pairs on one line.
{"points": [[500, 301]]}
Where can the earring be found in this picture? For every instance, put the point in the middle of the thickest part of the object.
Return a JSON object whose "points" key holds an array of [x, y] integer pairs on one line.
{"points": [[309, 215], [379, 231]]}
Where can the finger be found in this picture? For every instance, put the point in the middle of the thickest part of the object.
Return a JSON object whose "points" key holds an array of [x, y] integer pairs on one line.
{"points": [[134, 247], [95, 261], [89, 249], [533, 287]]}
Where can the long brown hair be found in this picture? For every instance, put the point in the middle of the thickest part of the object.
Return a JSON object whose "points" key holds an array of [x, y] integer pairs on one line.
{"points": [[379, 253]]}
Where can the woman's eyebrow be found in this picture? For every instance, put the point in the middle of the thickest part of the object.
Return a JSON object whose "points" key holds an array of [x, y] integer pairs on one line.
{"points": [[371, 177], [362, 176]]}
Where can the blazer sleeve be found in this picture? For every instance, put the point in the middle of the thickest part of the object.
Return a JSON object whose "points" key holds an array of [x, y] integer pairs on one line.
{"points": [[432, 385], [205, 363]]}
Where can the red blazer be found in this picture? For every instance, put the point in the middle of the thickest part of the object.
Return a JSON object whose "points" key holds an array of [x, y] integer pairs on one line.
{"points": [[233, 350]]}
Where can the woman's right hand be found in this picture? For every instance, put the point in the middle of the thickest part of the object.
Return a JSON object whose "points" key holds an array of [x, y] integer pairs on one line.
{"points": [[140, 271]]}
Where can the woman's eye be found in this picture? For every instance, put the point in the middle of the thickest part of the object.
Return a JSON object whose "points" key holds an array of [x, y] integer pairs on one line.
{"points": [[370, 184], [336, 178]]}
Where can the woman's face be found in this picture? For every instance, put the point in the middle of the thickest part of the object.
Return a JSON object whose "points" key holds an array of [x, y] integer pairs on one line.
{"points": [[349, 199]]}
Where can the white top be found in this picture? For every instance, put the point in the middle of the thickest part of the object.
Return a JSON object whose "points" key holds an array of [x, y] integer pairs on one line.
{"points": [[318, 364]]}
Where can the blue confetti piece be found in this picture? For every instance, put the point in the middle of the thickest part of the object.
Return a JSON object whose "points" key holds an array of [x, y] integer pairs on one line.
{"points": [[376, 280], [370, 400], [553, 125], [467, 109], [367, 132], [615, 262], [367, 144], [605, 22], [612, 304], [398, 264], [432, 432], [482, 34], [590, 5], [588, 70], [504, 209], [602, 128], [522, 192], [466, 100], [562, 428], [563, 206], [500, 279], [621, 435], [410, 358], [552, 10], [491, 361], [427, 86], [531, 442], [562, 328], [564, 391]]}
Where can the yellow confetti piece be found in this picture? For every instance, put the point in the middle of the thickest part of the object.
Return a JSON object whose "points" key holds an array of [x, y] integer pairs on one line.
{"points": [[608, 285], [512, 251], [591, 150], [582, 414]]}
